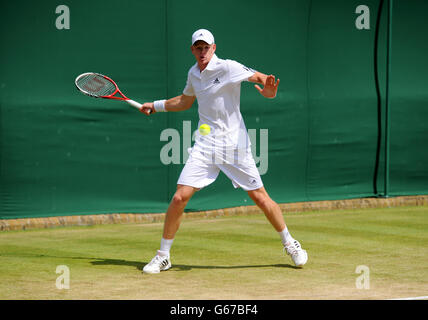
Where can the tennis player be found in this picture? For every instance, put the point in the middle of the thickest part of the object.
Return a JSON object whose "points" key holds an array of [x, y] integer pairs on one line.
{"points": [[216, 83]]}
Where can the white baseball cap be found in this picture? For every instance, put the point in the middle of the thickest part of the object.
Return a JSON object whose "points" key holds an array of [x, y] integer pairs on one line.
{"points": [[204, 35]]}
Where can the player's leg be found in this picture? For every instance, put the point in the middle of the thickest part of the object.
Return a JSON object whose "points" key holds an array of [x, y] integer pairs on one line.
{"points": [[175, 210], [273, 213], [174, 214], [196, 174], [270, 208], [245, 174]]}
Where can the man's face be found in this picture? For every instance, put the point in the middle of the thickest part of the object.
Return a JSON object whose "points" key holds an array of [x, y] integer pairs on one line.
{"points": [[203, 52]]}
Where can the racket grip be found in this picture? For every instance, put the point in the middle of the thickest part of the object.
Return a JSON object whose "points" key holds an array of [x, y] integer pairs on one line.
{"points": [[134, 103]]}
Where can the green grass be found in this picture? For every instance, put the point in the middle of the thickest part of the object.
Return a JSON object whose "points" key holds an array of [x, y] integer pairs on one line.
{"points": [[225, 258]]}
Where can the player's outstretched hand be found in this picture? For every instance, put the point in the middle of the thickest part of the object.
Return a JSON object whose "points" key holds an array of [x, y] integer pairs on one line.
{"points": [[270, 88], [148, 108]]}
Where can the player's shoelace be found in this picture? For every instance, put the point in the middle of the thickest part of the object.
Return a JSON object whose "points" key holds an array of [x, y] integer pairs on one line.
{"points": [[293, 248], [159, 260]]}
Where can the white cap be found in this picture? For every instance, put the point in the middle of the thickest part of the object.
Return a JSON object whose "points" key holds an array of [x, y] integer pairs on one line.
{"points": [[204, 35]]}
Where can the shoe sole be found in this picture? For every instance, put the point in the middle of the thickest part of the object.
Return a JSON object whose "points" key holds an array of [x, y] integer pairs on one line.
{"points": [[155, 272]]}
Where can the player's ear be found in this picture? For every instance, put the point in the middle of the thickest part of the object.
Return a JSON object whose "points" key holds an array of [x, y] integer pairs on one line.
{"points": [[214, 47]]}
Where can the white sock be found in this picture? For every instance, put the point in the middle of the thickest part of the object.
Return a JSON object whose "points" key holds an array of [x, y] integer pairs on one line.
{"points": [[285, 236], [165, 247]]}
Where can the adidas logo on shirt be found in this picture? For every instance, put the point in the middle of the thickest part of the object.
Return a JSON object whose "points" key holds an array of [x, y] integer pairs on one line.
{"points": [[216, 81]]}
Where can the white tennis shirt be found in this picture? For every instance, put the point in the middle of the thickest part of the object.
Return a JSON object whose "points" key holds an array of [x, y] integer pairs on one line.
{"points": [[218, 89]]}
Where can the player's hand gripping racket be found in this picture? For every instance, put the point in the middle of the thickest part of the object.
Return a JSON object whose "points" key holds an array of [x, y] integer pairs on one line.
{"points": [[100, 86]]}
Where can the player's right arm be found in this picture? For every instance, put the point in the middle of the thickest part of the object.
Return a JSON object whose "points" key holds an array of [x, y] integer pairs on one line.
{"points": [[179, 103]]}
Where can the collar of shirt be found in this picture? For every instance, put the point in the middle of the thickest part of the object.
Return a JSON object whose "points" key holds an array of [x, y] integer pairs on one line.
{"points": [[213, 62], [211, 66]]}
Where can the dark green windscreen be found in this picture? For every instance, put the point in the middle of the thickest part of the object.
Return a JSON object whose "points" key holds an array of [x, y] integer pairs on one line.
{"points": [[322, 138]]}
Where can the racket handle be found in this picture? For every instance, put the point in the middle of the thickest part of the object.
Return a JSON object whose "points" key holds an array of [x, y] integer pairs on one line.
{"points": [[134, 103]]}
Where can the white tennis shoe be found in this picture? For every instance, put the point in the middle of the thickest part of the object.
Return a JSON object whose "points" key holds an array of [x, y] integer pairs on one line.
{"points": [[298, 255], [159, 263]]}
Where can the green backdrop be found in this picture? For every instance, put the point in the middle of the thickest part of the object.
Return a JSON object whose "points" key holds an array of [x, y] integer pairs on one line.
{"points": [[62, 153]]}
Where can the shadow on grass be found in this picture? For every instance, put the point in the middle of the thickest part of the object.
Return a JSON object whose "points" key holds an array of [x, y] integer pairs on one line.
{"points": [[182, 267], [176, 267]]}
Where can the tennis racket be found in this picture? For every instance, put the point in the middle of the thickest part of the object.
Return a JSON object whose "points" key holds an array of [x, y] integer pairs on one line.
{"points": [[100, 86]]}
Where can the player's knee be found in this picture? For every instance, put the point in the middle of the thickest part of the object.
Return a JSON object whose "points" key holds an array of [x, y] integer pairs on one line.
{"points": [[261, 200], [180, 199], [177, 199]]}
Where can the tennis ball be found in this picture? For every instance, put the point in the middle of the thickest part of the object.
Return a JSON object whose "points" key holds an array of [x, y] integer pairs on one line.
{"points": [[204, 129]]}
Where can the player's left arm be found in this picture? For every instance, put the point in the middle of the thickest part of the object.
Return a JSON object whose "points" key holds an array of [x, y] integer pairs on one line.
{"points": [[270, 86]]}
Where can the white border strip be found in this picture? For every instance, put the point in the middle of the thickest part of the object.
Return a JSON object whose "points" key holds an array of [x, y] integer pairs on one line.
{"points": [[412, 298]]}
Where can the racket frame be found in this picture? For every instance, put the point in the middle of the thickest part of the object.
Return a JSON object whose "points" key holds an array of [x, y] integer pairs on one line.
{"points": [[110, 96]]}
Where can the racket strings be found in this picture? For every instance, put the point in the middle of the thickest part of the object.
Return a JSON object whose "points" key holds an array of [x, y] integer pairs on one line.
{"points": [[96, 85]]}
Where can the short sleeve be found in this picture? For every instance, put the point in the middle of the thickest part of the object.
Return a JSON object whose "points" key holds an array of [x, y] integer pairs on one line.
{"points": [[239, 72], [188, 90]]}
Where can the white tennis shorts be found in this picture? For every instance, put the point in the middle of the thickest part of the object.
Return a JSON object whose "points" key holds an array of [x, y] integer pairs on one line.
{"points": [[202, 169]]}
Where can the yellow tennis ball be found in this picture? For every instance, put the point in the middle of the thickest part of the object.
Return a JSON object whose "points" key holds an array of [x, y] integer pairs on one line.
{"points": [[204, 129]]}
